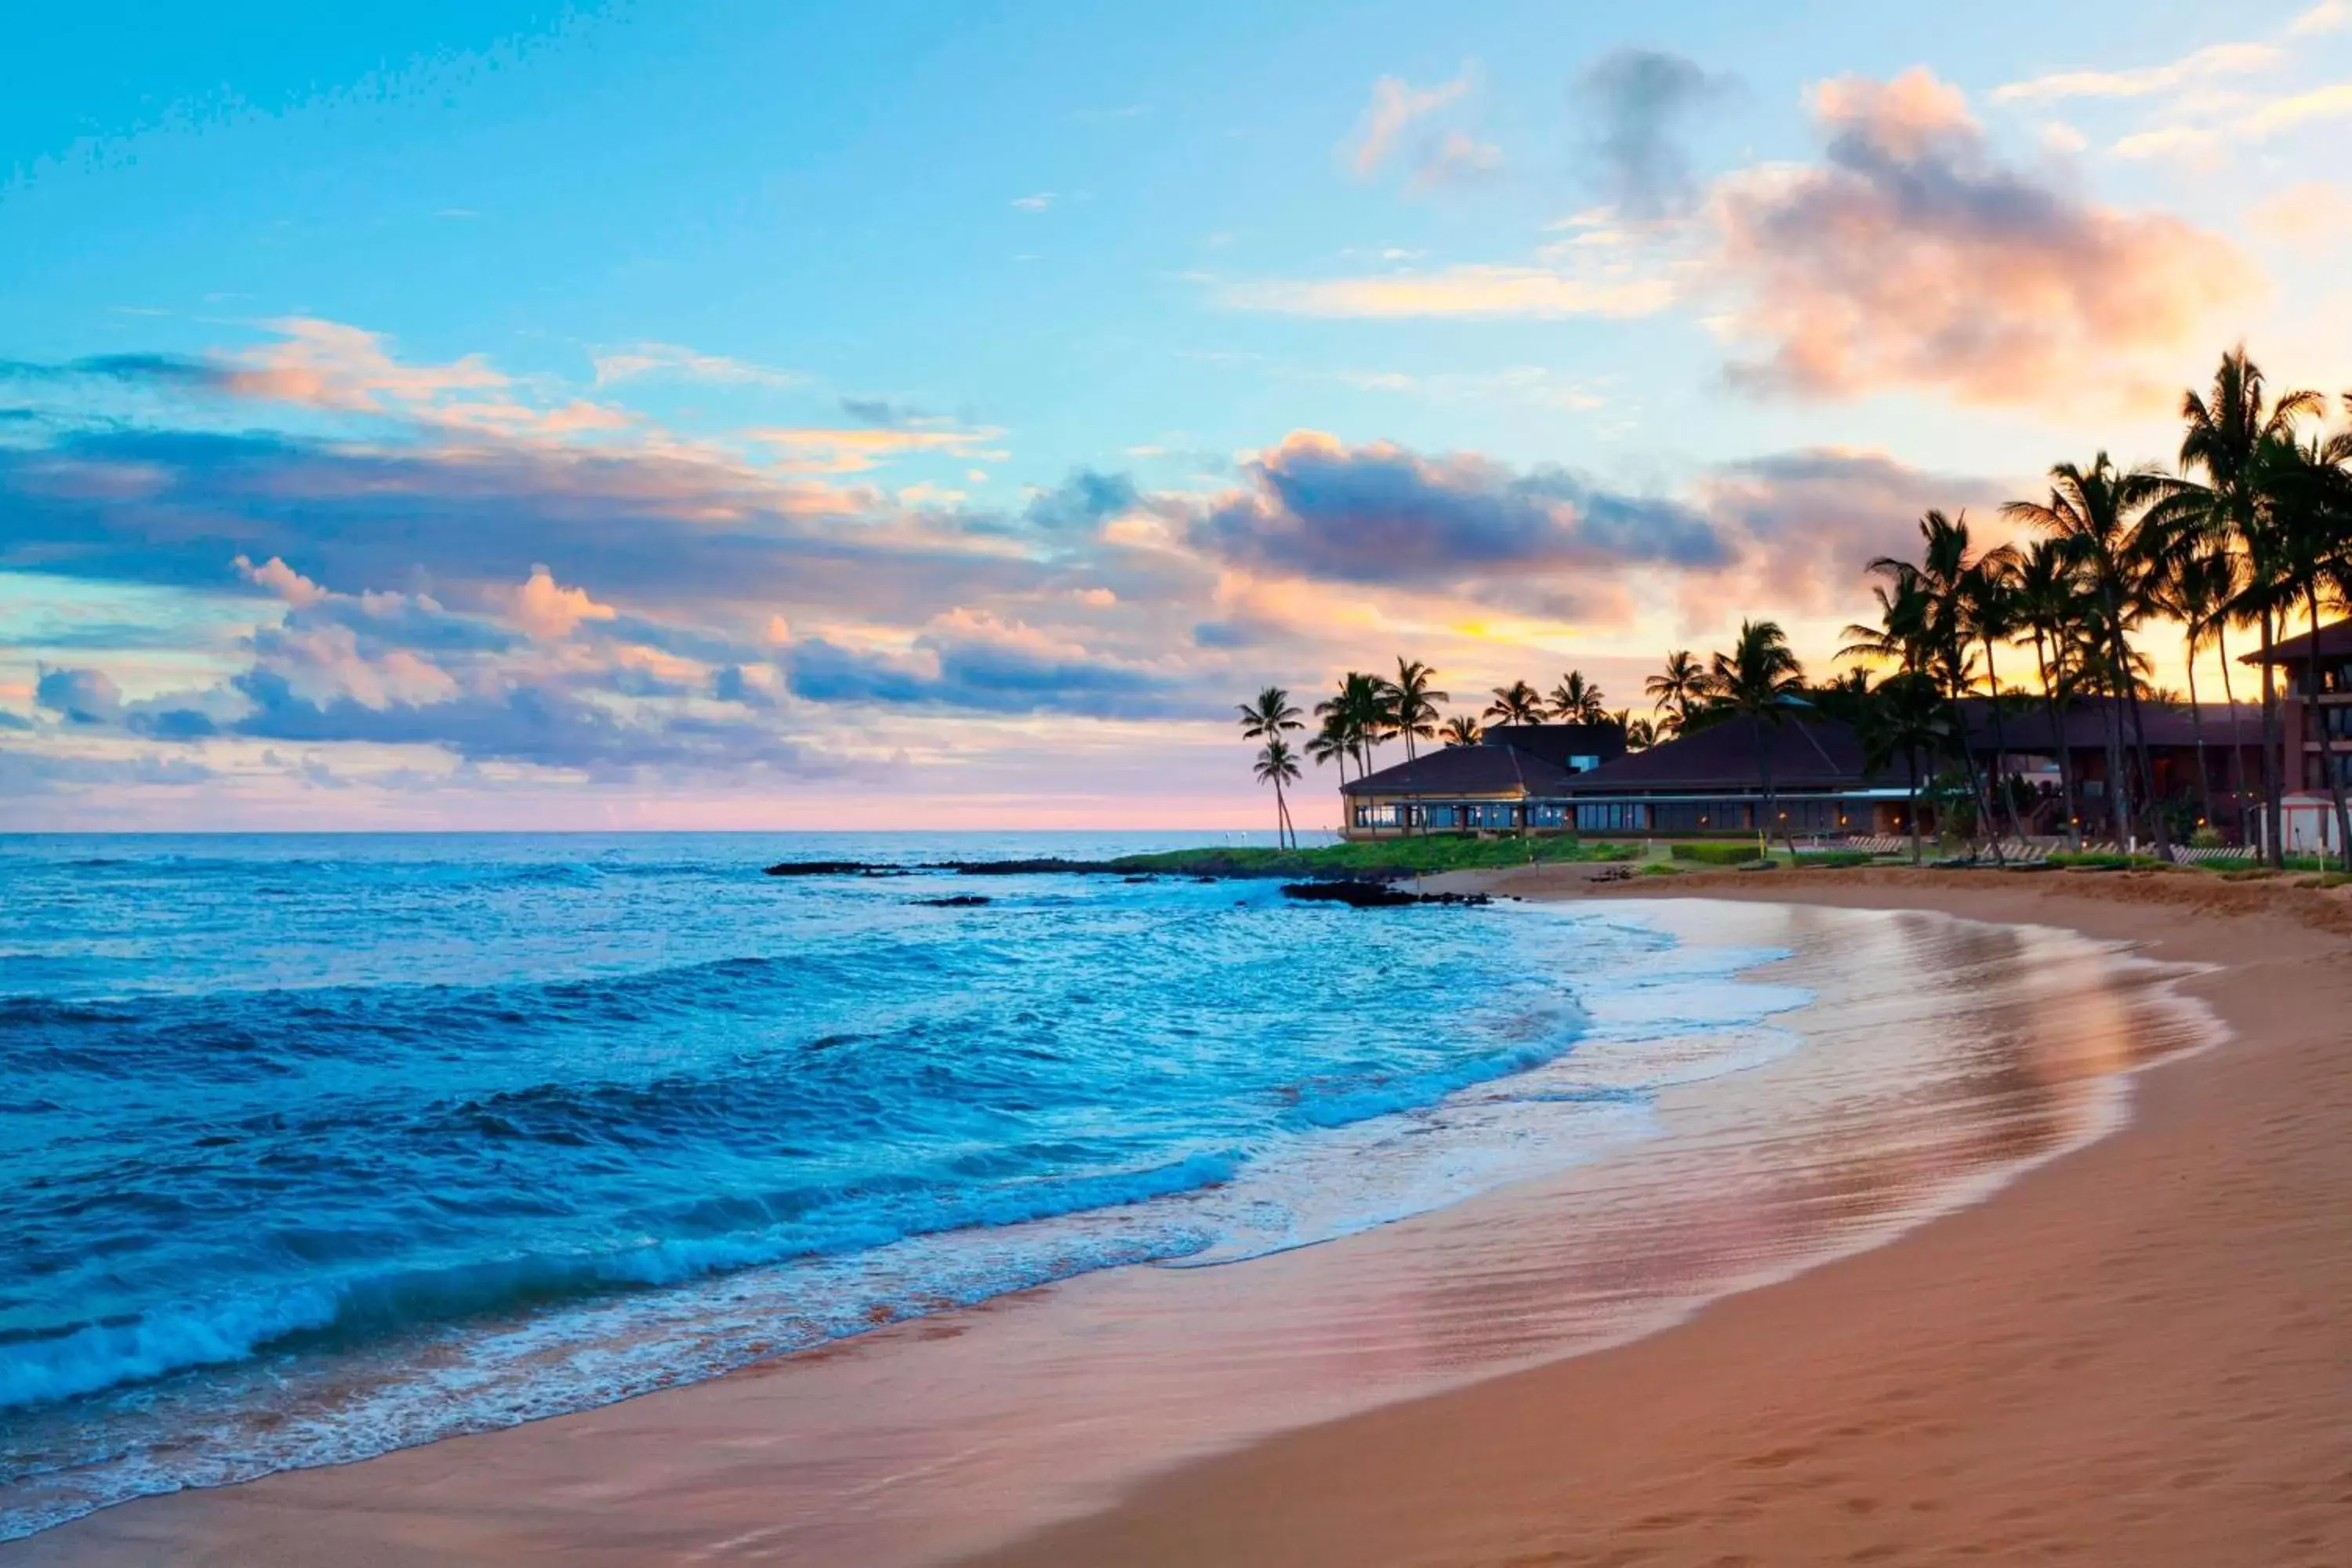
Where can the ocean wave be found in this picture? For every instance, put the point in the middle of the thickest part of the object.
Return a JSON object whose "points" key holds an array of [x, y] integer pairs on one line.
{"points": [[85, 1358]]}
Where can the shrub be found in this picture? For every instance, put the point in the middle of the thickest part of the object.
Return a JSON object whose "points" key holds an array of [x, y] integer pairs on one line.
{"points": [[1835, 859], [2205, 838], [1718, 853]]}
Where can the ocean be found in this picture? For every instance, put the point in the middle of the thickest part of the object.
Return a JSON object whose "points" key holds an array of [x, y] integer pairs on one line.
{"points": [[317, 1146]]}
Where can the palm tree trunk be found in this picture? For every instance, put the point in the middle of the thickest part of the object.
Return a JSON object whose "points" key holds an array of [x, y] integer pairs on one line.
{"points": [[2197, 724], [1999, 745], [2118, 805], [2327, 758], [2058, 739], [2139, 747], [2273, 765], [1976, 779], [1911, 799], [2236, 730]]}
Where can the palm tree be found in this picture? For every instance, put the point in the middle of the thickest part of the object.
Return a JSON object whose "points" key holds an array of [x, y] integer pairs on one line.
{"points": [[2195, 591], [1988, 610], [1462, 730], [1675, 692], [1517, 703], [2110, 521], [1640, 734], [1907, 719], [1413, 702], [2047, 604], [1946, 587], [1331, 743], [1576, 701], [1267, 719], [2224, 433], [1277, 766], [1358, 715], [1270, 716], [1759, 679]]}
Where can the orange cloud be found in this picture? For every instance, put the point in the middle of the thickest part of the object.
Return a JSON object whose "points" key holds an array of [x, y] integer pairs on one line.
{"points": [[328, 365], [547, 611], [853, 450], [1911, 258]]}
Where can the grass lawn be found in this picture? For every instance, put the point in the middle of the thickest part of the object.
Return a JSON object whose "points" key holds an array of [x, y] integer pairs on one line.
{"points": [[1384, 858]]}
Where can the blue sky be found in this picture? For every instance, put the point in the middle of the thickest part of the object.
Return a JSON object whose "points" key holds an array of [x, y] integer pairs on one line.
{"points": [[727, 416]]}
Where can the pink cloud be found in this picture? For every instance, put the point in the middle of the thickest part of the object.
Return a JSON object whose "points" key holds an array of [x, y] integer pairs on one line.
{"points": [[1913, 257], [549, 612]]}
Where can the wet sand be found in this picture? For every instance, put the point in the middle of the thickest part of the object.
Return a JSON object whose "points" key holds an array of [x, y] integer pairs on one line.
{"points": [[2141, 1354], [2137, 1351]]}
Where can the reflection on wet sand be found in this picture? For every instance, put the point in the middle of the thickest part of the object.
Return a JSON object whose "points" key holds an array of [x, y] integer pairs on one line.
{"points": [[1941, 1058]]}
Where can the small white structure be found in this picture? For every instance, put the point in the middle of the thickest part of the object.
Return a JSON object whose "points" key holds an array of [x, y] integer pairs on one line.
{"points": [[2308, 823]]}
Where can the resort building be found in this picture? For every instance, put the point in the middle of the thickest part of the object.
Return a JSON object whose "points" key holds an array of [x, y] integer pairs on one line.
{"points": [[1706, 783], [2315, 706], [1491, 788], [2210, 754], [1712, 780]]}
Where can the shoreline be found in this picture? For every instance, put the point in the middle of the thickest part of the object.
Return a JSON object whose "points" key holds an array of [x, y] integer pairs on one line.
{"points": [[2134, 1354], [271, 1516]]}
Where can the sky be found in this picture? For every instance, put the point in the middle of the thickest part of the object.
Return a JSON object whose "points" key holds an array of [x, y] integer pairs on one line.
{"points": [[731, 416]]}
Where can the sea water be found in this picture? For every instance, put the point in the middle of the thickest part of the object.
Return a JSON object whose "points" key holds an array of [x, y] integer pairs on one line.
{"points": [[317, 1146]]}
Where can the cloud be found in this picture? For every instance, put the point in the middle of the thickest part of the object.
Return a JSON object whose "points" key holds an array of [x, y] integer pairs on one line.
{"points": [[175, 371], [1804, 522], [1082, 503], [2205, 139], [1911, 258], [643, 360], [972, 662], [335, 368], [545, 610], [1455, 161], [2307, 211], [24, 771], [1315, 507], [2204, 65], [328, 365], [1036, 201], [176, 506], [2324, 17], [1470, 291], [818, 450], [544, 725], [1634, 103], [281, 580], [885, 412], [83, 696], [1395, 105]]}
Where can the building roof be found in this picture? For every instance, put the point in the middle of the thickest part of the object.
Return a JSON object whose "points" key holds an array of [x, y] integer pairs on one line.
{"points": [[1464, 771], [1556, 743], [2028, 728], [2334, 641], [1805, 753]]}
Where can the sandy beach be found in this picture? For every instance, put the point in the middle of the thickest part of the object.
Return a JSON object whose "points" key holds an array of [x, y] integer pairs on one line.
{"points": [[2136, 1353], [2140, 1355]]}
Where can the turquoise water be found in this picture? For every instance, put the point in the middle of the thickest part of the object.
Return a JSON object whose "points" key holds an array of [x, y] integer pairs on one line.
{"points": [[318, 1146]]}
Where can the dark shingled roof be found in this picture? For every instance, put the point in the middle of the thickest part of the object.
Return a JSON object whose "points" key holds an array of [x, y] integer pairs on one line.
{"points": [[2335, 642], [1465, 770], [1806, 753], [2027, 729], [1556, 743]]}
